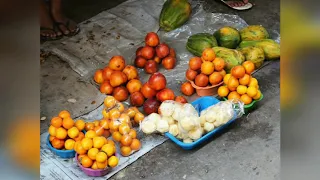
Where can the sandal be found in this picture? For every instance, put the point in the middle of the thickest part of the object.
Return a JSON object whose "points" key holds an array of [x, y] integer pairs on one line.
{"points": [[49, 38], [240, 8], [66, 25]]}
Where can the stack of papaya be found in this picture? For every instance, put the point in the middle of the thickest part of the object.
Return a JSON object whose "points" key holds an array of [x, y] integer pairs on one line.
{"points": [[251, 43]]}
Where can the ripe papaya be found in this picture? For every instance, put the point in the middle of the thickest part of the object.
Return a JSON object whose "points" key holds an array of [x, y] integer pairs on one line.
{"points": [[231, 57], [198, 42], [253, 32], [174, 14], [253, 54], [228, 37], [270, 48]]}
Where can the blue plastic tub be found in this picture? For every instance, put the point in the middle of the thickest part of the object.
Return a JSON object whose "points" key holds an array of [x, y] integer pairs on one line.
{"points": [[61, 153], [201, 104]]}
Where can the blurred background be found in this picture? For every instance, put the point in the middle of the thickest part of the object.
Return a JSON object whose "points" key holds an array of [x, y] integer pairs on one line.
{"points": [[19, 92]]}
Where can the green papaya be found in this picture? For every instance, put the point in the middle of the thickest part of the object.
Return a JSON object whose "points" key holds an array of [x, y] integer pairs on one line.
{"points": [[228, 37], [174, 14], [270, 48], [231, 57], [253, 54], [198, 42], [253, 32]]}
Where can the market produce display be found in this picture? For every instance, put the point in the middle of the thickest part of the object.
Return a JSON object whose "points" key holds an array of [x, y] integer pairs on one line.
{"points": [[154, 53], [253, 33], [270, 47], [231, 57], [253, 54], [174, 14], [197, 43], [228, 37], [240, 85], [65, 132]]}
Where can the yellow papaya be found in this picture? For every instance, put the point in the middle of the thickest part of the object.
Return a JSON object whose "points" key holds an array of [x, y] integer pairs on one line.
{"points": [[270, 48]]}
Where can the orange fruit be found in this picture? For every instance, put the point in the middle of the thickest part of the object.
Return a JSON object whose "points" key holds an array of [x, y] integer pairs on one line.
{"points": [[245, 80], [101, 157], [56, 122], [126, 140], [130, 112], [86, 143], [96, 123], [79, 148], [223, 91], [61, 133], [98, 142], [208, 54], [51, 138], [109, 149], [79, 137], [81, 156], [219, 64], [102, 165], [234, 95], [226, 78], [233, 83], [105, 113], [135, 145], [89, 126], [238, 71], [73, 132], [114, 114], [104, 124], [256, 97], [57, 143], [80, 124], [246, 99], [125, 151], [90, 134], [124, 118], [215, 78], [114, 125], [113, 161], [241, 89], [104, 139], [120, 106], [252, 91], [222, 72], [207, 68], [111, 142], [110, 101], [94, 166], [138, 117], [116, 136], [52, 130], [248, 66], [99, 130], [86, 162], [92, 153], [133, 133], [106, 133], [124, 128], [69, 144], [67, 122], [63, 114], [253, 82]]}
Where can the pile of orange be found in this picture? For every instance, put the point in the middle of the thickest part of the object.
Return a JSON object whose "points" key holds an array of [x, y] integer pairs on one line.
{"points": [[206, 70], [118, 79], [240, 85], [64, 132], [96, 152]]}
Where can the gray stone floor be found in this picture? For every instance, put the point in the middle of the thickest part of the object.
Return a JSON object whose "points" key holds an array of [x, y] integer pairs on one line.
{"points": [[249, 149]]}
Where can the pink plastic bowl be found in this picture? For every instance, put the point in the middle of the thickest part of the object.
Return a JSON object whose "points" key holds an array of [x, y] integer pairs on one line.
{"points": [[93, 172]]}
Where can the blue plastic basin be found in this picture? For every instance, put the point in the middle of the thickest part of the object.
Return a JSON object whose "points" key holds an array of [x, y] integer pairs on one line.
{"points": [[201, 104]]}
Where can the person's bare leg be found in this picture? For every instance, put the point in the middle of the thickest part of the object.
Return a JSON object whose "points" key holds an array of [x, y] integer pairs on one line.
{"points": [[59, 17], [46, 22]]}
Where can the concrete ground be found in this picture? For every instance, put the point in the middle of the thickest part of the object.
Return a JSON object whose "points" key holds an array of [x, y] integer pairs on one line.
{"points": [[249, 149]]}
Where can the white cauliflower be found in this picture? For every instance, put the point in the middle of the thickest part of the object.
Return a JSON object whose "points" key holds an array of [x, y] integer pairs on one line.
{"points": [[167, 108], [173, 129], [195, 133], [162, 126]]}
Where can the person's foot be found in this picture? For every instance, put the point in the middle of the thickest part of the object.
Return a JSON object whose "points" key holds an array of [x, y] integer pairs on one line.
{"points": [[47, 28], [237, 3], [66, 25]]}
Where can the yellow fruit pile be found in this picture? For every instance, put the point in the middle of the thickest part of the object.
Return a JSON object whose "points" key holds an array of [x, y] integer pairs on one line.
{"points": [[240, 84], [96, 152], [64, 132]]}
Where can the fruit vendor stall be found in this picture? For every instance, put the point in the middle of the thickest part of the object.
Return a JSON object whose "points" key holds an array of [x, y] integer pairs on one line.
{"points": [[158, 78]]}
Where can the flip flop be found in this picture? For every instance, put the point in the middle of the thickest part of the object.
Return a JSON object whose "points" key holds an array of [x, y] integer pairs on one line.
{"points": [[240, 8], [66, 25], [49, 38]]}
